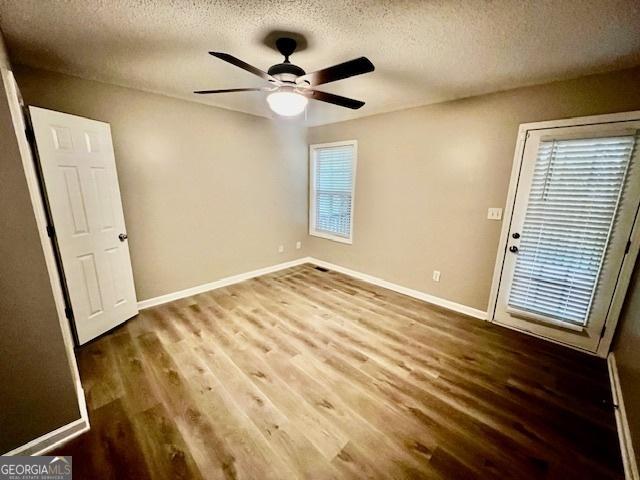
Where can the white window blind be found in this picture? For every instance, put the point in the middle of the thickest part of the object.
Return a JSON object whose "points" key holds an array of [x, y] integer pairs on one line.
{"points": [[572, 205], [332, 189]]}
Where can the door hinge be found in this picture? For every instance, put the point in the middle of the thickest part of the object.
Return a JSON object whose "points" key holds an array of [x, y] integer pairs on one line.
{"points": [[604, 329], [51, 232], [628, 247], [68, 312]]}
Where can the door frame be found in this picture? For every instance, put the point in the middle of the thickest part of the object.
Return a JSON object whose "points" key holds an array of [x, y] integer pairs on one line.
{"points": [[629, 259], [48, 441]]}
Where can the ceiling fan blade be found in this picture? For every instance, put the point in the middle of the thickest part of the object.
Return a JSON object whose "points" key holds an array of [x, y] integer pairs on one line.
{"points": [[230, 90], [243, 65], [348, 69], [335, 99]]}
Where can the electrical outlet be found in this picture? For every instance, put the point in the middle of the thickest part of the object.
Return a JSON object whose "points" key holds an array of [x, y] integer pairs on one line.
{"points": [[281, 249], [298, 245], [436, 276], [494, 214]]}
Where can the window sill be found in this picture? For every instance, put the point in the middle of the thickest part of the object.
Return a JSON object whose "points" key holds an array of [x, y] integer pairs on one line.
{"points": [[328, 236], [545, 320]]}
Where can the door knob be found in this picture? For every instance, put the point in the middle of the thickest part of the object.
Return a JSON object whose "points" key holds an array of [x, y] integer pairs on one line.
{"points": [[123, 237], [513, 249]]}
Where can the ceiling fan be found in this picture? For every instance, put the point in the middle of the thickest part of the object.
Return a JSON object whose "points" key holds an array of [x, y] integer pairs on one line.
{"points": [[291, 86]]}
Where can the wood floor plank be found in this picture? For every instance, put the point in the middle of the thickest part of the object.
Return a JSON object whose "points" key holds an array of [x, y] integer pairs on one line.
{"points": [[363, 357], [102, 385], [310, 374], [196, 427], [168, 455], [363, 435], [566, 407], [494, 336], [110, 450], [285, 438], [514, 434], [139, 393], [328, 439], [254, 457], [343, 361], [487, 403]]}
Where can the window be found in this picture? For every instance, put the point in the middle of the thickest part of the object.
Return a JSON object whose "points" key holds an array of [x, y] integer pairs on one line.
{"points": [[332, 180]]}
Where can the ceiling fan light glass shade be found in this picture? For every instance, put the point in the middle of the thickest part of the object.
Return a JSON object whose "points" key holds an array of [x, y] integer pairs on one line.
{"points": [[287, 104]]}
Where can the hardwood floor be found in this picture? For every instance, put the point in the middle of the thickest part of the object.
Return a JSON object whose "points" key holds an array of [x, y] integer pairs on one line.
{"points": [[312, 374]]}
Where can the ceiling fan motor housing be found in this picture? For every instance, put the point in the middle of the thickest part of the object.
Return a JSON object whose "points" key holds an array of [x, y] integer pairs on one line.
{"points": [[286, 72]]}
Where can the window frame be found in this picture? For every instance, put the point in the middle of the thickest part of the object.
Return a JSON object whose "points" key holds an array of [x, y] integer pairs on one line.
{"points": [[313, 231]]}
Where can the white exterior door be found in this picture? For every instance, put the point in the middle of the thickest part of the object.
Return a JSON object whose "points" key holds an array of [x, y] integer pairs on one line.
{"points": [[576, 201], [79, 171]]}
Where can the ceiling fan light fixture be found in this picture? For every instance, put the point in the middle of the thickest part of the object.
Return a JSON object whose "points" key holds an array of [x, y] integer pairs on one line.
{"points": [[287, 104], [290, 86]]}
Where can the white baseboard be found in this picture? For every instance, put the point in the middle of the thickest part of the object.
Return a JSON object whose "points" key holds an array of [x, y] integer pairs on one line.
{"points": [[624, 433], [441, 302], [223, 282]]}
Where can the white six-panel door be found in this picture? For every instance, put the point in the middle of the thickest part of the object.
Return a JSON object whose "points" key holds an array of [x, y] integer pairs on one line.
{"points": [[79, 171]]}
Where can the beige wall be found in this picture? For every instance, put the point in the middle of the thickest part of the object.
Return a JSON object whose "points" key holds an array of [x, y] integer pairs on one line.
{"points": [[627, 349], [37, 394], [207, 192], [427, 175]]}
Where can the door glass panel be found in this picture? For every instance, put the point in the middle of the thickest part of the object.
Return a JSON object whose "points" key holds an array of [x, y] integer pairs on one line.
{"points": [[572, 204]]}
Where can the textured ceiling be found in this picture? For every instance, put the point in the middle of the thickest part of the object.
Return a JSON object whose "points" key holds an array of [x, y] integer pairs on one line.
{"points": [[424, 51]]}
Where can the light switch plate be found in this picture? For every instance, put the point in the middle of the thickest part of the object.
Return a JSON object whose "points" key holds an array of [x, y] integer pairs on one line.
{"points": [[494, 214]]}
